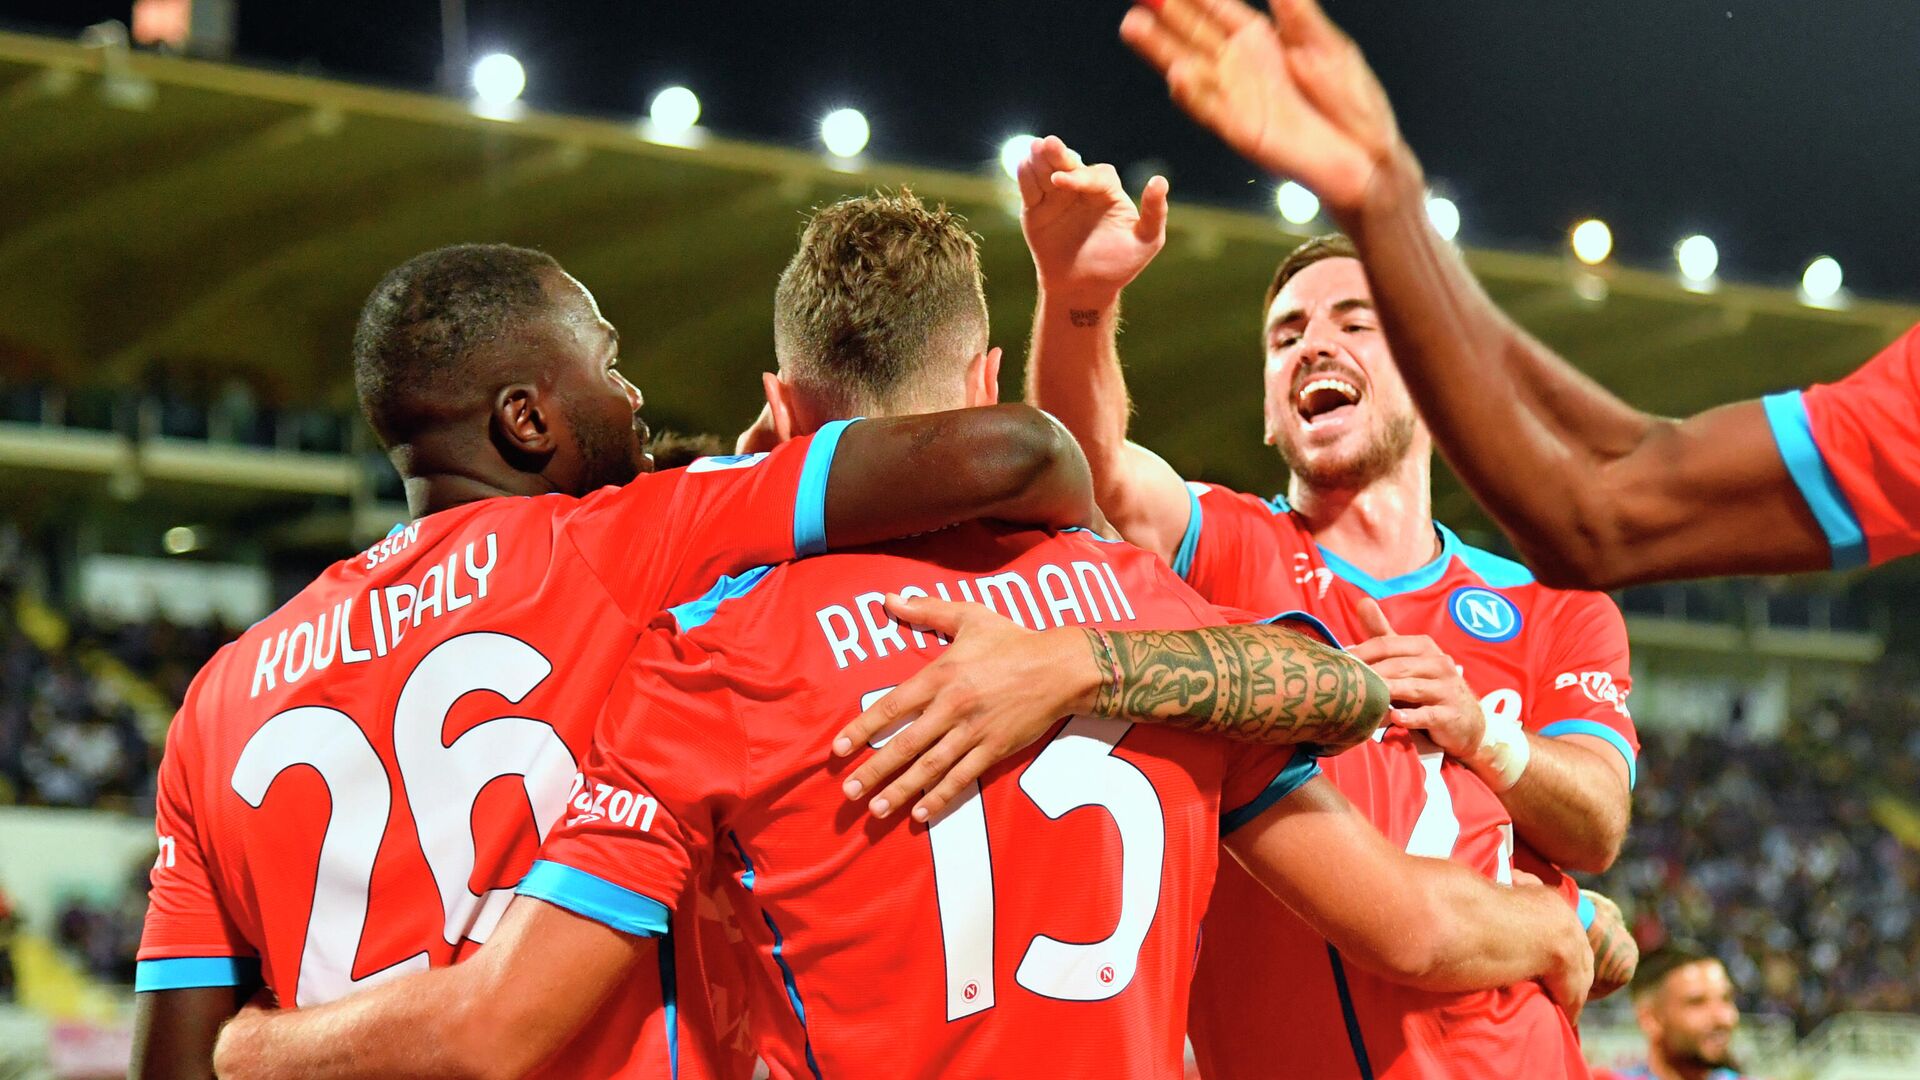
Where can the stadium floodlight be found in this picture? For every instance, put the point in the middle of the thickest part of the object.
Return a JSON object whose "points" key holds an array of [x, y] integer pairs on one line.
{"points": [[1014, 151], [674, 111], [1698, 259], [844, 132], [1444, 215], [1821, 282], [498, 79], [1296, 203], [1592, 241]]}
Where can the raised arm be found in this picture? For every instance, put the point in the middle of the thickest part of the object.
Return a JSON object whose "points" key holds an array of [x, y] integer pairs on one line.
{"points": [[540, 976], [999, 687], [1006, 462], [1594, 493], [1428, 923], [1088, 242]]}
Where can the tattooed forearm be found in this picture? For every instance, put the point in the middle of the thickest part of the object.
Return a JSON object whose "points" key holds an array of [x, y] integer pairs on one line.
{"points": [[1264, 684]]}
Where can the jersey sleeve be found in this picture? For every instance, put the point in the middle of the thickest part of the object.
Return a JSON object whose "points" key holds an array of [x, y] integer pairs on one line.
{"points": [[666, 536], [1853, 450], [1229, 542], [643, 813], [189, 939], [1585, 678]]}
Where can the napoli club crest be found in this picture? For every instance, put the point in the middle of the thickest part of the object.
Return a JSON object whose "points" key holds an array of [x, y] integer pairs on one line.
{"points": [[1484, 613]]}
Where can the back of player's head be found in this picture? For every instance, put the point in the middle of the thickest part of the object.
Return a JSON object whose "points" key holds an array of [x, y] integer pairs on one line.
{"points": [[1318, 249], [433, 324], [674, 450], [881, 303], [1655, 966]]}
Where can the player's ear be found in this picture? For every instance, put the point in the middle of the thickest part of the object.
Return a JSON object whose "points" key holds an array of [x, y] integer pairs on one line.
{"points": [[522, 421], [780, 404], [983, 378]]}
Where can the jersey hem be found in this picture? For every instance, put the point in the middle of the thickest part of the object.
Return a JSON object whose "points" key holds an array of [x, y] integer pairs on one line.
{"points": [[594, 897], [1793, 436], [1599, 731], [1301, 769], [194, 972]]}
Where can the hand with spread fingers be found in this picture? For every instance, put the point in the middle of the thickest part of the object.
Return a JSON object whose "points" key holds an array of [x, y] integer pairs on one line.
{"points": [[1616, 955], [995, 690], [1088, 239], [1291, 93]]}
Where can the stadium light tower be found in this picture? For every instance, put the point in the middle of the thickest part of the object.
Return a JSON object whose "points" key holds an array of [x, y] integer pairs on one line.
{"points": [[1445, 215], [1698, 259], [844, 133], [1821, 282], [1592, 241], [498, 80], [1296, 203], [1014, 151], [674, 111]]}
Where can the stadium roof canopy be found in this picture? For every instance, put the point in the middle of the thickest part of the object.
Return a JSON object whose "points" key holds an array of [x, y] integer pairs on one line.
{"points": [[161, 216]]}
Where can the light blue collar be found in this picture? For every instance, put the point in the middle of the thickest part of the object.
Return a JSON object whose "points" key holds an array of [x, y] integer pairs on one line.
{"points": [[1411, 581]]}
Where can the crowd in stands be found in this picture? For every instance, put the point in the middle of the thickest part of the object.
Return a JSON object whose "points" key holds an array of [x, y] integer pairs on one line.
{"points": [[1770, 850], [1771, 853], [69, 737]]}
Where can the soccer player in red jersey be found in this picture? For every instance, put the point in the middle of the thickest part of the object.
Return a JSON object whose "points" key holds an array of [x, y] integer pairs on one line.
{"points": [[1595, 493], [1513, 716], [352, 789], [1045, 926]]}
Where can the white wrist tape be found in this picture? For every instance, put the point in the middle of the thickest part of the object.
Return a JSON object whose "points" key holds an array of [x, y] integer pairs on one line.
{"points": [[1503, 753]]}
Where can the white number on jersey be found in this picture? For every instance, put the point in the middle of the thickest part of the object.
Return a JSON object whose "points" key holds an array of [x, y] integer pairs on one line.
{"points": [[441, 782], [1078, 768]]}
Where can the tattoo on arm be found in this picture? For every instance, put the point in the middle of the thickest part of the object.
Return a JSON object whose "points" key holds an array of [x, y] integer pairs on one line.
{"points": [[1084, 316], [1264, 684]]}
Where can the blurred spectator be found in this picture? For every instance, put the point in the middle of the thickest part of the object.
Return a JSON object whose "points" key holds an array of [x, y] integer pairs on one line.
{"points": [[1772, 850], [9, 922], [1684, 1003]]}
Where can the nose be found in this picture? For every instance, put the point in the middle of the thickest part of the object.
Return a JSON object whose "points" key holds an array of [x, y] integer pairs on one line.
{"points": [[634, 397], [1316, 340]]}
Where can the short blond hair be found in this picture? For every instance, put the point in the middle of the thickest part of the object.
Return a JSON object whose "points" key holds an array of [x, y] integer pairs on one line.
{"points": [[884, 295]]}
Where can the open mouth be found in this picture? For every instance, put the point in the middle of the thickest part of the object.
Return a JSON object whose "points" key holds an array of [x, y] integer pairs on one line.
{"points": [[1325, 397]]}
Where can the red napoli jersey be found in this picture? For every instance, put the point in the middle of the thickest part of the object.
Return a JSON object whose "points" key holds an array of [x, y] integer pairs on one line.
{"points": [[1045, 925], [352, 789], [1853, 449], [1554, 660]]}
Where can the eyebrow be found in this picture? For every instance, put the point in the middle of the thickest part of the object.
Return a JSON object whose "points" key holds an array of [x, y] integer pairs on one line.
{"points": [[1341, 308]]}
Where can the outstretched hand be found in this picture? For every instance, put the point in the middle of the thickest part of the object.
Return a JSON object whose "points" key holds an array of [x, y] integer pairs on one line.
{"points": [[1087, 237], [1291, 93], [995, 691]]}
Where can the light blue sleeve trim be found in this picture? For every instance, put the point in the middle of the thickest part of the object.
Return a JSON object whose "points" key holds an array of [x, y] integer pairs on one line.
{"points": [[697, 613], [1793, 434], [1599, 731], [1301, 769], [1585, 911], [810, 506], [191, 972], [1311, 622], [1189, 540], [596, 898]]}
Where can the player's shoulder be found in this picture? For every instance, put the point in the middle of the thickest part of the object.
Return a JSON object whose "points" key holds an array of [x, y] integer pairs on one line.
{"points": [[1220, 498]]}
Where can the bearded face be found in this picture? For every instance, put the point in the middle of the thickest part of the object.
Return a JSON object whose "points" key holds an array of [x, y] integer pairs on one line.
{"points": [[1335, 405]]}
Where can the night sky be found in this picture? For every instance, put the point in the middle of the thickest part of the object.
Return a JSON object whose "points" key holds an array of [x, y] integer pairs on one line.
{"points": [[1781, 128]]}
